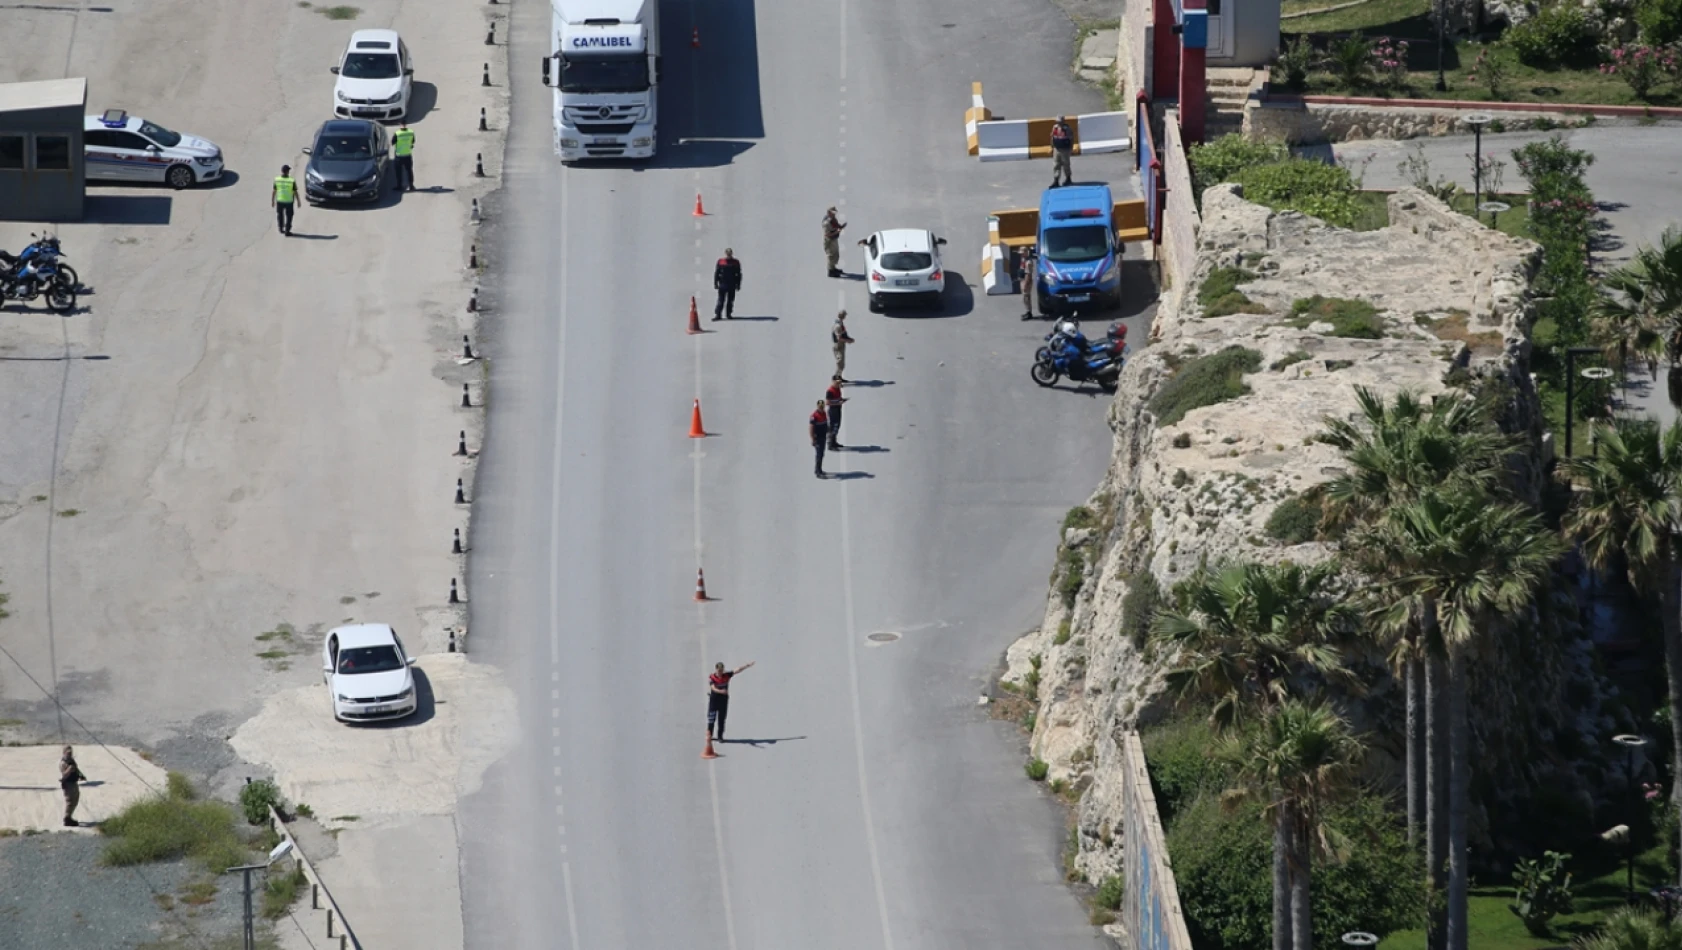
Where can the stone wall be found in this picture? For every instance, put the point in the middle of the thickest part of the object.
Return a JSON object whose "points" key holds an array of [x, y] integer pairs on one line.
{"points": [[1133, 51], [1452, 295], [1177, 251], [1297, 122]]}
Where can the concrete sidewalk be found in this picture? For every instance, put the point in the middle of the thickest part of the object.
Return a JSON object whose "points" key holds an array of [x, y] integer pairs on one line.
{"points": [[30, 798]]}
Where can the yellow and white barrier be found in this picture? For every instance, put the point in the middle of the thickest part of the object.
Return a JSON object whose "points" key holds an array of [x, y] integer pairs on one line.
{"points": [[1004, 140], [995, 262]]}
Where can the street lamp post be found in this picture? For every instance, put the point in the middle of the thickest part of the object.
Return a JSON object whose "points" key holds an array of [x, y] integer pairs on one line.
{"points": [[1477, 121], [249, 933], [1630, 744], [1442, 84], [1571, 355], [1360, 939]]}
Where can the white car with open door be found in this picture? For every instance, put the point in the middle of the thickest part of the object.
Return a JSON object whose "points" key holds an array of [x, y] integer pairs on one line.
{"points": [[903, 266], [367, 673]]}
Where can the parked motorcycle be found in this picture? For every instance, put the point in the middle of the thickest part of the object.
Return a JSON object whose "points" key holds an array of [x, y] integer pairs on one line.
{"points": [[1068, 331], [36, 273], [1102, 366], [47, 248]]}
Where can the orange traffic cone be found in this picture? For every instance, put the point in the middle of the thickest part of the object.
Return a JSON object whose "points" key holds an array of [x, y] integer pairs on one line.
{"points": [[701, 587], [695, 39], [699, 211], [695, 430], [708, 752], [694, 318]]}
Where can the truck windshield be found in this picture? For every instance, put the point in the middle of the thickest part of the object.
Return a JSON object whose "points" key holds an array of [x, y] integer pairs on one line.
{"points": [[605, 73], [1085, 242]]}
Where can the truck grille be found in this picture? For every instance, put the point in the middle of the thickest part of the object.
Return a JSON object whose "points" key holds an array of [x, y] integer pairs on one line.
{"points": [[606, 128]]}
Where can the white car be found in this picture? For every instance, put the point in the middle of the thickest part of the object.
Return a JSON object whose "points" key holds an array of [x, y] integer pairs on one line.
{"points": [[374, 77], [122, 147], [367, 673], [903, 265]]}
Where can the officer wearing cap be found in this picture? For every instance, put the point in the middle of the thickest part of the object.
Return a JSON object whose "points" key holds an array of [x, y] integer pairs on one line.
{"points": [[1062, 147], [284, 198]]}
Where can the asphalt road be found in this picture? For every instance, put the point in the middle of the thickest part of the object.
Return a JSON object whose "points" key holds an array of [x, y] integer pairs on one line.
{"points": [[877, 806], [1635, 176]]}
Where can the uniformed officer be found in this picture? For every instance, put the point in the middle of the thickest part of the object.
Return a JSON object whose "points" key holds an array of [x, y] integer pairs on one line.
{"points": [[832, 404], [727, 279], [1025, 277], [284, 198], [838, 340], [817, 426], [718, 697], [403, 149], [70, 779], [1062, 147], [832, 241]]}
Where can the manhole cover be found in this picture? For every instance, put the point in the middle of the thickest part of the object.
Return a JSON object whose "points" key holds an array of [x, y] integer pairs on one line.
{"points": [[884, 637]]}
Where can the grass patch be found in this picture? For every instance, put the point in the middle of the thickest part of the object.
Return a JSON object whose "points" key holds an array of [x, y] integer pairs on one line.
{"points": [[1037, 769], [1455, 327], [348, 818], [282, 632], [281, 890], [1220, 296], [339, 13], [1080, 516], [1370, 16], [70, 512], [10, 723], [1204, 381], [1515, 222], [171, 826], [1372, 210], [39, 498], [1296, 520], [1071, 574], [1139, 606], [198, 892], [1289, 359], [273, 655], [1062, 634], [1354, 319], [180, 787]]}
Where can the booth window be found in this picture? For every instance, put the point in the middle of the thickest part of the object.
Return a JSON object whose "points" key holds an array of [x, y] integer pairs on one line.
{"points": [[52, 153], [11, 151]]}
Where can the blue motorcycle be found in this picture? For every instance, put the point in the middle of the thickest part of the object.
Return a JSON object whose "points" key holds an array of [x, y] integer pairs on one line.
{"points": [[1102, 366], [37, 273]]}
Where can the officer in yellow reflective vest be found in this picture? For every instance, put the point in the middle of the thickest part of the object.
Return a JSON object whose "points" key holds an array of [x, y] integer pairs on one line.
{"points": [[403, 149], [284, 198]]}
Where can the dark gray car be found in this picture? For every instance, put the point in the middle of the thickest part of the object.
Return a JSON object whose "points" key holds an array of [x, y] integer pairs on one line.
{"points": [[347, 161]]}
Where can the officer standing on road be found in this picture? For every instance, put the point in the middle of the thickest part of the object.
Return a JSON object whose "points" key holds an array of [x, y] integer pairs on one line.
{"points": [[1025, 277], [403, 149], [838, 340], [1062, 147], [718, 697], [832, 241], [817, 426], [70, 778], [727, 279], [832, 404], [284, 198]]}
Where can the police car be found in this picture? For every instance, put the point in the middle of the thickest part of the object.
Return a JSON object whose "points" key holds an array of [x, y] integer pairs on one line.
{"points": [[122, 147]]}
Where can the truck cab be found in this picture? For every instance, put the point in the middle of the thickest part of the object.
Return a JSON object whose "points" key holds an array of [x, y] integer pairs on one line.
{"points": [[604, 67], [1079, 257]]}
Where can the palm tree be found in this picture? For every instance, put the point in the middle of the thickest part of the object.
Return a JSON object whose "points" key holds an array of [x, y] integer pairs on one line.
{"points": [[1630, 929], [1626, 316], [1394, 452], [1241, 634], [1650, 286], [1476, 561], [1629, 508], [1296, 760], [1243, 631]]}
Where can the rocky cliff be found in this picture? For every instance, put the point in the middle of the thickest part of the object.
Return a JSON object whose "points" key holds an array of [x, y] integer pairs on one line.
{"points": [[1432, 301]]}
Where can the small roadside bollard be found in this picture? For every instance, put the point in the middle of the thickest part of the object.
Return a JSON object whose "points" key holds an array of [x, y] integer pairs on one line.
{"points": [[473, 257], [483, 127], [461, 445], [455, 597], [466, 400], [487, 78], [452, 639], [455, 545], [490, 40], [461, 493], [476, 216], [478, 165], [473, 301], [467, 349]]}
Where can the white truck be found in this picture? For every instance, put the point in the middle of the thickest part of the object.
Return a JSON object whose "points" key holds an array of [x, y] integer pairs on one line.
{"points": [[604, 70]]}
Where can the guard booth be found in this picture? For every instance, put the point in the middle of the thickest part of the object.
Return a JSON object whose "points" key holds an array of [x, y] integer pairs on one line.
{"points": [[42, 171]]}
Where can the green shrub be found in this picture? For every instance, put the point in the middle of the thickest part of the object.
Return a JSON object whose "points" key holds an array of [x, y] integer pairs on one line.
{"points": [[1355, 319], [1558, 35], [1289, 359], [1139, 606], [1110, 892], [281, 890], [1660, 21], [1220, 296], [1296, 520], [1541, 891], [1180, 763], [1204, 381], [1223, 867], [1071, 574], [1037, 769], [1351, 59], [166, 828], [1062, 633], [1080, 516], [1313, 187], [255, 799], [1295, 61], [180, 787], [1223, 159]]}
